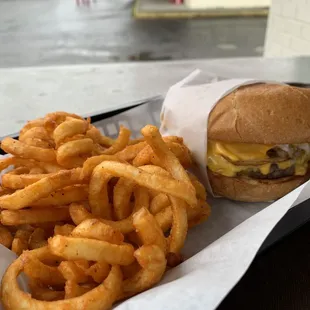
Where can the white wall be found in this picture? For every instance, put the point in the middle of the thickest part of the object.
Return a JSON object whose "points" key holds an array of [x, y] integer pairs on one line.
{"points": [[227, 4], [288, 30]]}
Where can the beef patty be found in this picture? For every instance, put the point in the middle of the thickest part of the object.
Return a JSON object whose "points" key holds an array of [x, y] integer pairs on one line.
{"points": [[274, 173]]}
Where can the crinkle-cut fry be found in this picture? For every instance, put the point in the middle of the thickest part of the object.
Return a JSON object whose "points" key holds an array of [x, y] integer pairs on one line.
{"points": [[34, 216], [95, 229], [156, 182], [72, 289], [39, 122], [23, 150], [64, 196], [63, 230], [159, 202], [6, 237], [120, 143], [121, 198], [37, 239], [39, 292], [20, 241], [98, 194], [95, 134], [131, 151], [153, 262], [19, 181], [42, 188], [148, 229], [70, 271], [91, 163], [93, 250], [73, 149], [69, 128], [39, 271], [99, 271]]}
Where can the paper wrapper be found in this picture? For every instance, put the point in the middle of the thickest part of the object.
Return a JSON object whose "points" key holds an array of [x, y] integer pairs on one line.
{"points": [[186, 110], [218, 252]]}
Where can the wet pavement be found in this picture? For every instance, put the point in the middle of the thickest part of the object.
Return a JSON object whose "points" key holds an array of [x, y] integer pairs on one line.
{"points": [[56, 32]]}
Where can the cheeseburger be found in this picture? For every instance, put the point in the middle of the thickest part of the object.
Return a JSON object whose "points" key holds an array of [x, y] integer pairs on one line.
{"points": [[259, 142]]}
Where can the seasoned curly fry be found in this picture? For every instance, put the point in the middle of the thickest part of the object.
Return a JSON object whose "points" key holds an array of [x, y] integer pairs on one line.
{"points": [[153, 262], [40, 189], [69, 128], [23, 150], [82, 211], [102, 297], [120, 143]]}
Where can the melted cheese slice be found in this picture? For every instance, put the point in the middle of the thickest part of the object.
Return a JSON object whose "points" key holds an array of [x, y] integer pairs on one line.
{"points": [[240, 151], [218, 152]]}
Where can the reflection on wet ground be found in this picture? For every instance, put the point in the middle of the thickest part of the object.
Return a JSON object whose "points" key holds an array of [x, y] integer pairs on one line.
{"points": [[51, 32]]}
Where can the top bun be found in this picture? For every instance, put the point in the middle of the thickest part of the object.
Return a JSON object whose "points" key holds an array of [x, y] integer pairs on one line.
{"points": [[262, 114]]}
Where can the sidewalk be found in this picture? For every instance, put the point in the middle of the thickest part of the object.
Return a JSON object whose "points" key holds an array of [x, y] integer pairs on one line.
{"points": [[156, 9]]}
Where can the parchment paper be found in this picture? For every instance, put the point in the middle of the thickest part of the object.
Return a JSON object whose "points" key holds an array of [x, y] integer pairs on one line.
{"points": [[218, 251]]}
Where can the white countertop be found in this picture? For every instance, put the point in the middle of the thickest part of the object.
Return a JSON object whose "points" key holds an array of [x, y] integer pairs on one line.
{"points": [[26, 93]]}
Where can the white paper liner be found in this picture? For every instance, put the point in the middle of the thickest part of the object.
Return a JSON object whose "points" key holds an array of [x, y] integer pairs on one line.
{"points": [[218, 251]]}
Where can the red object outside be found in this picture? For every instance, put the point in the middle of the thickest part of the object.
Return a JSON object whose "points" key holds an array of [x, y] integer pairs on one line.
{"points": [[177, 1]]}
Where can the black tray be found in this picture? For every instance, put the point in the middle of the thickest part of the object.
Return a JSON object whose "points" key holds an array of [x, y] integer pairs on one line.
{"points": [[294, 219]]}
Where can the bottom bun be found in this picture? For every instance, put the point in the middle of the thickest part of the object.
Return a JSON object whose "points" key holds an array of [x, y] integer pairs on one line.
{"points": [[252, 190]]}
